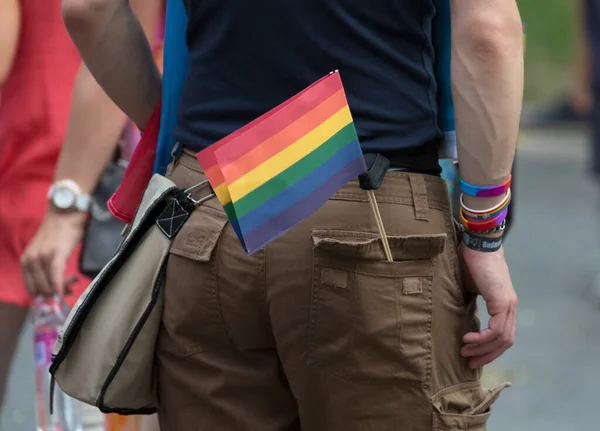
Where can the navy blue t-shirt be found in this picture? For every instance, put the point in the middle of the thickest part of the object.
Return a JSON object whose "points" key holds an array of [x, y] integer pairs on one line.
{"points": [[248, 56]]}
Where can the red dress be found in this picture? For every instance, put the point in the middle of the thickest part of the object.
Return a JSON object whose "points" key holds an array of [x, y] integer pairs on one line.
{"points": [[34, 111]]}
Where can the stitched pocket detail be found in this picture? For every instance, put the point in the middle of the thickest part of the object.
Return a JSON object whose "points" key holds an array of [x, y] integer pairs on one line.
{"points": [[466, 406], [192, 316], [370, 320]]}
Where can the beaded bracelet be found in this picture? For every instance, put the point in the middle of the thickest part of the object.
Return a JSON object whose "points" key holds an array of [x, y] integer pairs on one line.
{"points": [[487, 213], [481, 226], [485, 191]]}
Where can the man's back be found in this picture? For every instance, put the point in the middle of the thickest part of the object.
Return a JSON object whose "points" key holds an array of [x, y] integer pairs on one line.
{"points": [[314, 331], [247, 57]]}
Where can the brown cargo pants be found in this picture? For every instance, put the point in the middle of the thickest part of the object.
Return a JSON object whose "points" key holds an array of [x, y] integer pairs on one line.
{"points": [[317, 332]]}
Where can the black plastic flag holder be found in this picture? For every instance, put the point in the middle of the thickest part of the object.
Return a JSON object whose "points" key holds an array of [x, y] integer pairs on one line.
{"points": [[377, 167]]}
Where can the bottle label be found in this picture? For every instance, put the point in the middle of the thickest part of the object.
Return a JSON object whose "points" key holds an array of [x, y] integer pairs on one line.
{"points": [[44, 345]]}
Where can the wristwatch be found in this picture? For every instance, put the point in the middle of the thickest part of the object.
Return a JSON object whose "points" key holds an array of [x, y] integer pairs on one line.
{"points": [[66, 195]]}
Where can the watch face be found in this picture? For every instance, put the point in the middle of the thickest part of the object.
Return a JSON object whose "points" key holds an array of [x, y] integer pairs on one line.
{"points": [[63, 198]]}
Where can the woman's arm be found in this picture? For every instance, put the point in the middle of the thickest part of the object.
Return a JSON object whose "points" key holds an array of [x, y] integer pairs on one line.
{"points": [[94, 128], [10, 23]]}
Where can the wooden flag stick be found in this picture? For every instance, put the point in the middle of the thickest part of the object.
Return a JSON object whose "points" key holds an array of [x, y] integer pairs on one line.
{"points": [[378, 219]]}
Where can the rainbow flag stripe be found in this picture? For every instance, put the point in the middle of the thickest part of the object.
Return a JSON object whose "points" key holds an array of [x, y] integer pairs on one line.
{"points": [[274, 172]]}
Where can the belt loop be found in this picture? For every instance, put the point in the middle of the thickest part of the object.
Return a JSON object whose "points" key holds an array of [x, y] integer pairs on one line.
{"points": [[177, 150], [175, 154], [419, 195]]}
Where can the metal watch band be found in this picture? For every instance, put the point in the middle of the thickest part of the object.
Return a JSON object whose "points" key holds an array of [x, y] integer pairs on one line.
{"points": [[481, 243], [83, 202]]}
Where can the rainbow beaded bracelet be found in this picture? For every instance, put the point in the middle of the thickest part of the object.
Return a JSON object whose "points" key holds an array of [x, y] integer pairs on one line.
{"points": [[484, 191]]}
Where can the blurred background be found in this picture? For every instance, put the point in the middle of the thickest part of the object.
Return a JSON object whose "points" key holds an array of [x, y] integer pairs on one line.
{"points": [[553, 29], [552, 249]]}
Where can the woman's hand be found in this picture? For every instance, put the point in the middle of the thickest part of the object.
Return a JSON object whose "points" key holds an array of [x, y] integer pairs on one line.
{"points": [[45, 258]]}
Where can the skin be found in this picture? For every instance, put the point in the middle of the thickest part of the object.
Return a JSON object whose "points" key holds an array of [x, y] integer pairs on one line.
{"points": [[487, 78], [10, 23], [113, 46], [94, 128], [487, 74]]}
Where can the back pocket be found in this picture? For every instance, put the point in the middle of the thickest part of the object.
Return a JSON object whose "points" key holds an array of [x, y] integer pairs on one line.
{"points": [[370, 320]]}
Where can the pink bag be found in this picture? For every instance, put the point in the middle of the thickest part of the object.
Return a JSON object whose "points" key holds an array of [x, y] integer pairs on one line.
{"points": [[128, 195]]}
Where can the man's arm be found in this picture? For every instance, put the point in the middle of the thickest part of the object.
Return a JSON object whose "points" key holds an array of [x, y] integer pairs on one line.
{"points": [[96, 123], [113, 46], [94, 128], [10, 23], [487, 77]]}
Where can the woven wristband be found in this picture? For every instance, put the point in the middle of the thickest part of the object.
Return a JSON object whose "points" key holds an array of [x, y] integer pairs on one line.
{"points": [[485, 191], [481, 243], [497, 229]]}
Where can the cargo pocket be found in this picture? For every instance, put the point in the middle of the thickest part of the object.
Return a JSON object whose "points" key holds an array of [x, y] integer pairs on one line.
{"points": [[191, 314], [370, 320], [465, 406]]}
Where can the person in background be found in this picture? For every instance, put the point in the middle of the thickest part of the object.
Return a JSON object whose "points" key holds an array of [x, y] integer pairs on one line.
{"points": [[592, 14], [49, 102], [593, 33], [34, 107]]}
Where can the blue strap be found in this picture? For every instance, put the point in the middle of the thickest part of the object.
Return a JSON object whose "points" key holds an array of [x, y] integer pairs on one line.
{"points": [[442, 46], [174, 72]]}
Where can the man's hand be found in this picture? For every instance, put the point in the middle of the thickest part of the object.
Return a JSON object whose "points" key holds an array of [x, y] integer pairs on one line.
{"points": [[43, 262], [487, 274]]}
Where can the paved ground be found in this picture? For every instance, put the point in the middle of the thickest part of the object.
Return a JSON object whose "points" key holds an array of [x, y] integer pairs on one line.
{"points": [[554, 365]]}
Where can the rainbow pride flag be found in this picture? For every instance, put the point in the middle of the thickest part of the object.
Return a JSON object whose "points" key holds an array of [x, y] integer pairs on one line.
{"points": [[277, 170]]}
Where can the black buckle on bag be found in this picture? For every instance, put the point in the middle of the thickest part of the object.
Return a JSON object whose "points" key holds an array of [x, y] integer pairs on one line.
{"points": [[179, 208]]}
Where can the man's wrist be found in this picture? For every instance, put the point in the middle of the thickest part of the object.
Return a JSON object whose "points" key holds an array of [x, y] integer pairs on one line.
{"points": [[481, 203], [478, 242], [482, 243], [473, 255]]}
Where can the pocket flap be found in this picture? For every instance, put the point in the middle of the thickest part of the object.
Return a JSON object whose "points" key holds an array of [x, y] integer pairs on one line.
{"points": [[200, 234], [465, 406], [368, 245]]}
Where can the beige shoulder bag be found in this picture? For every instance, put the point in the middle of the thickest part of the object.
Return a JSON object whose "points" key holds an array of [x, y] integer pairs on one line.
{"points": [[104, 355]]}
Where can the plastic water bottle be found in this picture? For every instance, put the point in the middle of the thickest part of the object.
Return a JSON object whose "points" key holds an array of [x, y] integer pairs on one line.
{"points": [[48, 316]]}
